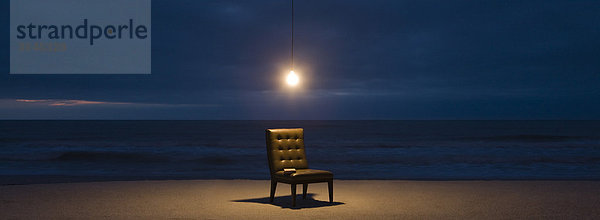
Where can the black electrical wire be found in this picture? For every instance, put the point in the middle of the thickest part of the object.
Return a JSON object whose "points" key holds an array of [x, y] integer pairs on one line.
{"points": [[292, 34]]}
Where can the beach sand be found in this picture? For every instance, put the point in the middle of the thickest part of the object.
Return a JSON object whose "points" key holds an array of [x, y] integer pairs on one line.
{"points": [[354, 199]]}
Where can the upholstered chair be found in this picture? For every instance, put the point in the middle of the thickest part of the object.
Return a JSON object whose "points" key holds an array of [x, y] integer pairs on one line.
{"points": [[285, 149]]}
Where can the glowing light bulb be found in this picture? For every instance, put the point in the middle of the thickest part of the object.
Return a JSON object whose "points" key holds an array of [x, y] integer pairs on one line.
{"points": [[292, 79]]}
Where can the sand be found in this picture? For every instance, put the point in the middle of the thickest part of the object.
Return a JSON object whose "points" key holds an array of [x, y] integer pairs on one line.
{"points": [[354, 199]]}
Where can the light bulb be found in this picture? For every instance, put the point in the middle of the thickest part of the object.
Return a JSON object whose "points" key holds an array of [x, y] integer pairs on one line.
{"points": [[292, 79]]}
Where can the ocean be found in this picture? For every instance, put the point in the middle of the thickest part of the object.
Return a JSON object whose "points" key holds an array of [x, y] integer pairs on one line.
{"points": [[429, 150]]}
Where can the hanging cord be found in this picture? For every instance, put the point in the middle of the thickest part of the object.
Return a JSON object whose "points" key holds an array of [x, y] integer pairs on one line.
{"points": [[292, 34]]}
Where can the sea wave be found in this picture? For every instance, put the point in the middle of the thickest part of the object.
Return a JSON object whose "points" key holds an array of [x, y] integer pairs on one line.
{"points": [[108, 156], [530, 138], [351, 149]]}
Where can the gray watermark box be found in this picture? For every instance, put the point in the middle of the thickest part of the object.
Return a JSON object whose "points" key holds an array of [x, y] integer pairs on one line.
{"points": [[80, 37]]}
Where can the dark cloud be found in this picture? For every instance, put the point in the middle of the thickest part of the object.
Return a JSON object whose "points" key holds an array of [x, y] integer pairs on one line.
{"points": [[358, 59]]}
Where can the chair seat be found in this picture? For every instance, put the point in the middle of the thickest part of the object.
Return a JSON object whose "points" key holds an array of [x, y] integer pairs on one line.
{"points": [[305, 175]]}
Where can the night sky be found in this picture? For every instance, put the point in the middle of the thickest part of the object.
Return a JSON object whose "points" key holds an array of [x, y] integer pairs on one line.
{"points": [[357, 60]]}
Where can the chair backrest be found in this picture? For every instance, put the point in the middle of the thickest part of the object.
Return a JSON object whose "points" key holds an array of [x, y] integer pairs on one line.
{"points": [[285, 149]]}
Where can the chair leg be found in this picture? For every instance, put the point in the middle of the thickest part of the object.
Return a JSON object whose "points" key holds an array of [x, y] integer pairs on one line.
{"points": [[330, 183], [304, 189], [273, 187], [293, 195]]}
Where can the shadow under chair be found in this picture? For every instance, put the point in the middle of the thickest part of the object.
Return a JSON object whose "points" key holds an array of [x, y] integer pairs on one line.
{"points": [[285, 149]]}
